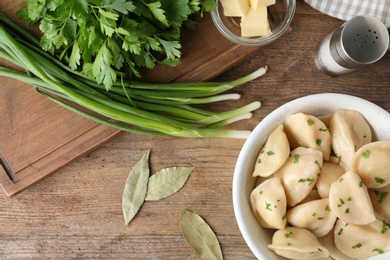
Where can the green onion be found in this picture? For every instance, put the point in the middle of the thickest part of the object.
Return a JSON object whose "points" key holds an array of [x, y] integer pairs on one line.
{"points": [[138, 107]]}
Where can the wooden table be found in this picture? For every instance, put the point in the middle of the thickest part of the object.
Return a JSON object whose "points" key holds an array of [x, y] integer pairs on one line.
{"points": [[76, 213]]}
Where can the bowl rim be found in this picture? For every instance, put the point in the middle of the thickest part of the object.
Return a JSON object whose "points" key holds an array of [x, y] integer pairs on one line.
{"points": [[257, 138], [263, 40]]}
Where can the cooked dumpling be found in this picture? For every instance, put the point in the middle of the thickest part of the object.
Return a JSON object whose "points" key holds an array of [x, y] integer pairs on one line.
{"points": [[314, 215], [326, 119], [297, 243], [349, 200], [268, 201], [349, 131], [308, 131], [362, 241], [299, 174], [274, 153], [331, 171], [372, 163], [380, 199], [313, 195], [260, 180], [328, 242]]}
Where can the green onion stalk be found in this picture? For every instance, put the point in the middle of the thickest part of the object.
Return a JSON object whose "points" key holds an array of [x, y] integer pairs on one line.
{"points": [[137, 107]]}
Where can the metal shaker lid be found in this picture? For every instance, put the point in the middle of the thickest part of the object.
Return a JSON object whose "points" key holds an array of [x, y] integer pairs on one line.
{"points": [[360, 41]]}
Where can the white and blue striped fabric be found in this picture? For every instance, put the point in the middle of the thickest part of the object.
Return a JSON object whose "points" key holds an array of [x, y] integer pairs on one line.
{"points": [[347, 9]]}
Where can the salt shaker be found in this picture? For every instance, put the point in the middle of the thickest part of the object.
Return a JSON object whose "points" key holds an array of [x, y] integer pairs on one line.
{"points": [[358, 42]]}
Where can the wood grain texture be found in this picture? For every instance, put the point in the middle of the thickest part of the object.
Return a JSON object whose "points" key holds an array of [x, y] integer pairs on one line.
{"points": [[39, 137], [76, 213]]}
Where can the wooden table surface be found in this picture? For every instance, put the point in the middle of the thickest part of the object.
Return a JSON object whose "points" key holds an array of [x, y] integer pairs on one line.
{"points": [[76, 213]]}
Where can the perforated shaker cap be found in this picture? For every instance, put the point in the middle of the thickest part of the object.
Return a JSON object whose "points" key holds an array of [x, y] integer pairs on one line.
{"points": [[360, 41]]}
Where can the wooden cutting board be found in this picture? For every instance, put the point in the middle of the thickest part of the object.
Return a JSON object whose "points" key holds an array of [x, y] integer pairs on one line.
{"points": [[38, 137]]}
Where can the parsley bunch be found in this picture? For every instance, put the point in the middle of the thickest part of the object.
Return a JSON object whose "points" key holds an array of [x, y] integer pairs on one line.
{"points": [[109, 38]]}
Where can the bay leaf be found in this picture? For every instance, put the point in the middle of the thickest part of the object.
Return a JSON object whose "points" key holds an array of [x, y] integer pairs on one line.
{"points": [[135, 188], [166, 182], [200, 236]]}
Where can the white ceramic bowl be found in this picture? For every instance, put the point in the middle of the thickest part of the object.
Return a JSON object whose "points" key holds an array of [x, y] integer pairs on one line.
{"points": [[256, 237]]}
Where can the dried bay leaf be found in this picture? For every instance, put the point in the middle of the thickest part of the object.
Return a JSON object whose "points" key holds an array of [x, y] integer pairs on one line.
{"points": [[166, 182], [135, 188], [200, 236]]}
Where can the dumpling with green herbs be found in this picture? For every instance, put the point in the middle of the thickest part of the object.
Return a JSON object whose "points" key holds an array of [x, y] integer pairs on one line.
{"points": [[313, 195], [297, 243], [314, 215], [328, 242], [308, 131], [349, 131], [326, 119], [268, 201], [300, 173], [274, 153], [362, 241], [330, 172], [380, 199], [349, 200], [372, 163]]}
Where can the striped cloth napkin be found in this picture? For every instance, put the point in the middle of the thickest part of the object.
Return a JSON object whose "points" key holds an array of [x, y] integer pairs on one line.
{"points": [[347, 9]]}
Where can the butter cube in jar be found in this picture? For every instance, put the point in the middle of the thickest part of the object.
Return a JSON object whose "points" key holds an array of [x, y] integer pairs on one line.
{"points": [[253, 14], [255, 23], [235, 8], [256, 3]]}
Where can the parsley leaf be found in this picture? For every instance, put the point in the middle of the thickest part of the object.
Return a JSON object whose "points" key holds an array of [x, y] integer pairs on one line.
{"points": [[157, 12], [101, 67], [121, 6], [172, 48], [75, 57]]}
